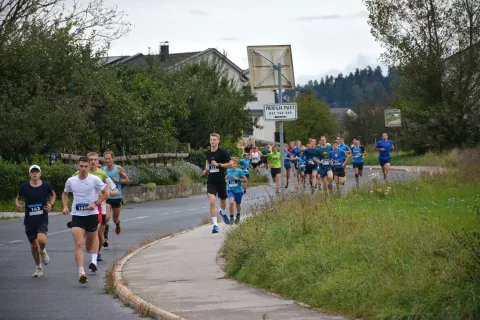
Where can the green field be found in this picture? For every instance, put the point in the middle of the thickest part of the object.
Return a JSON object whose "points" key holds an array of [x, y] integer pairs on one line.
{"points": [[404, 251]]}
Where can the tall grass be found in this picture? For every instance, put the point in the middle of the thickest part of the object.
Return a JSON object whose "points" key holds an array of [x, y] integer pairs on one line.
{"points": [[403, 251]]}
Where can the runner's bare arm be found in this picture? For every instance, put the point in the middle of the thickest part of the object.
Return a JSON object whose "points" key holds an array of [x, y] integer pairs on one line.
{"points": [[104, 195], [227, 165], [52, 197], [206, 167], [123, 175], [244, 179], [65, 203], [18, 203]]}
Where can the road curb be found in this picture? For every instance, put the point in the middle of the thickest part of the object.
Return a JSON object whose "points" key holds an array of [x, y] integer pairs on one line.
{"points": [[133, 300]]}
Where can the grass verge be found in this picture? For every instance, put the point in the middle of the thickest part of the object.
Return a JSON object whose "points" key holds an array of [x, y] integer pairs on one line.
{"points": [[408, 250], [257, 180]]}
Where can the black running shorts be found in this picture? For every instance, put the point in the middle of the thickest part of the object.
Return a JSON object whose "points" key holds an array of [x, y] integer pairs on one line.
{"points": [[339, 172], [384, 162], [275, 171], [115, 203], [32, 230], [219, 190], [87, 223]]}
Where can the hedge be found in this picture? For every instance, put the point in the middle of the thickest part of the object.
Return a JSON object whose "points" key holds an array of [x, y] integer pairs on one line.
{"points": [[13, 175]]}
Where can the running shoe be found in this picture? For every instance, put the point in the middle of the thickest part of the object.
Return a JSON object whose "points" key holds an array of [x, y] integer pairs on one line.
{"points": [[45, 257], [93, 267], [215, 229], [118, 229], [237, 220], [231, 219], [83, 278], [286, 186], [244, 191], [99, 257], [105, 243], [38, 273], [224, 217], [69, 224]]}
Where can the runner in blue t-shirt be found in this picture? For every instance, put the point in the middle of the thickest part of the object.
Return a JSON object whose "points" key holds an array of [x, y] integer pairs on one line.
{"points": [[384, 146], [245, 166], [310, 155], [358, 152], [338, 159], [302, 166], [324, 168], [287, 164], [296, 153], [235, 177]]}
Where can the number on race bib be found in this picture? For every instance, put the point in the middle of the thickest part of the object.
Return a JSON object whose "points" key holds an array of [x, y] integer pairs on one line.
{"points": [[214, 169], [232, 183], [35, 209], [325, 162], [81, 206]]}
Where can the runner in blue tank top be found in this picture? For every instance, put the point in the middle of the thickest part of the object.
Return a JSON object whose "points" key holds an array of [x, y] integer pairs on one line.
{"points": [[119, 176]]}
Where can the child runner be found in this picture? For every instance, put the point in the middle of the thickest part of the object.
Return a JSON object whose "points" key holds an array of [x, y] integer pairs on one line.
{"points": [[245, 165], [235, 177]]}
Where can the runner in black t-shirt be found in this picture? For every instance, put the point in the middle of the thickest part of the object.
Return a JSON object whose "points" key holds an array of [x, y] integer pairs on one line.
{"points": [[36, 194], [216, 163]]}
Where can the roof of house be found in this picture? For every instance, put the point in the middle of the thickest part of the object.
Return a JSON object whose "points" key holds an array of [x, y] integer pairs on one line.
{"points": [[174, 59]]}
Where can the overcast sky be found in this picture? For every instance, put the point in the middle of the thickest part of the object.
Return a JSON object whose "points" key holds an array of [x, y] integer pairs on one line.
{"points": [[327, 36]]}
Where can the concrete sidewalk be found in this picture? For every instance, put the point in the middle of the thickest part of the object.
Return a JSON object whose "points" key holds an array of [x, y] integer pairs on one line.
{"points": [[180, 275]]}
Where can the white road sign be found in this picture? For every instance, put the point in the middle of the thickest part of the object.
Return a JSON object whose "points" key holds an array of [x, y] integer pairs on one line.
{"points": [[280, 112]]}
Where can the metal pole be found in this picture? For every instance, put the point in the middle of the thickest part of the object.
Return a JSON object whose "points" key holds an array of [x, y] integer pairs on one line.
{"points": [[280, 100]]}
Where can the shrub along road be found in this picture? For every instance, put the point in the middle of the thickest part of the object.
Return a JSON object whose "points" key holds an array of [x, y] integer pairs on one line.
{"points": [[58, 295]]}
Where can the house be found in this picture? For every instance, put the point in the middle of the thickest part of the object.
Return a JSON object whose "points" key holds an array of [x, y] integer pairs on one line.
{"points": [[240, 77], [339, 117]]}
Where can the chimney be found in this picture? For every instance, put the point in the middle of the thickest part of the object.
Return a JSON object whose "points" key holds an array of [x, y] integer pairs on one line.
{"points": [[164, 52]]}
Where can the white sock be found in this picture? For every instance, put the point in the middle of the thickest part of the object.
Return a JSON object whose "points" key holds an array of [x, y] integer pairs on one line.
{"points": [[94, 258], [214, 220], [81, 270], [39, 265]]}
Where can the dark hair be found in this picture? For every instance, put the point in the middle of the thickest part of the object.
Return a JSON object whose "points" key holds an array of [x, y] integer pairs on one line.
{"points": [[83, 159]]}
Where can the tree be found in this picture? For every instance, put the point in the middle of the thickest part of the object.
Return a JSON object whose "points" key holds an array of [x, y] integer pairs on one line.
{"points": [[314, 119], [215, 103], [433, 44]]}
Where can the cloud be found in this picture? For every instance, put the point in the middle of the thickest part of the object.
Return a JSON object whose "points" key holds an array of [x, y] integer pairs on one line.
{"points": [[360, 14], [228, 39], [199, 13]]}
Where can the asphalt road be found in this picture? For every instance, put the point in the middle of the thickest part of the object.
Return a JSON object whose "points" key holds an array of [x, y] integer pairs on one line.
{"points": [[58, 294]]}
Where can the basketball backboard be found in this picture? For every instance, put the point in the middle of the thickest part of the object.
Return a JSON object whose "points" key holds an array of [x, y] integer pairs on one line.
{"points": [[262, 61]]}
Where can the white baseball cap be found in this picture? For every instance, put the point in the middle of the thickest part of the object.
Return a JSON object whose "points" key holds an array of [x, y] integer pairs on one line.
{"points": [[34, 167]]}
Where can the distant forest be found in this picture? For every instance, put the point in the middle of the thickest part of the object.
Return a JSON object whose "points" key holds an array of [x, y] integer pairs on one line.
{"points": [[363, 88]]}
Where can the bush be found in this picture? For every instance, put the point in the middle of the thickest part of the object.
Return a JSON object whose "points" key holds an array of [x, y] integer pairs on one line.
{"points": [[197, 158], [12, 175], [189, 169]]}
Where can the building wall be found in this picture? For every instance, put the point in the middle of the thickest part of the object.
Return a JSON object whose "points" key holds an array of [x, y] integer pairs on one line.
{"points": [[262, 97]]}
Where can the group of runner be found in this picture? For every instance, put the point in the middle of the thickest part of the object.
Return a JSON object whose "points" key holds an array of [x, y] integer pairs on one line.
{"points": [[97, 192]]}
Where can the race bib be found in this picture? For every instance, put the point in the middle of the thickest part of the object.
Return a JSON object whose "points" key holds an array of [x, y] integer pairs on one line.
{"points": [[35, 209], [337, 162], [245, 170], [214, 169], [232, 183], [81, 206], [325, 162]]}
